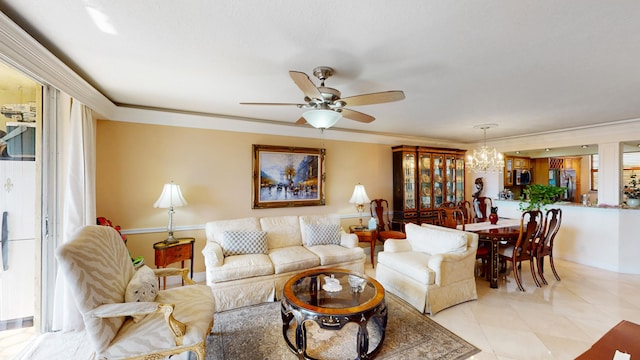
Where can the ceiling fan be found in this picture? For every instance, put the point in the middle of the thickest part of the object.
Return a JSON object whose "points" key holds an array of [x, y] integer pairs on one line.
{"points": [[325, 104]]}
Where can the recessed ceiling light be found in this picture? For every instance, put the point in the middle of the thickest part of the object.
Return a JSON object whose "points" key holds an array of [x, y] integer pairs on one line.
{"points": [[585, 146], [547, 149], [518, 152]]}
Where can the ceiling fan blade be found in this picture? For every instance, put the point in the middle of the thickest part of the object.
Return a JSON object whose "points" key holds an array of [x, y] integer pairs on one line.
{"points": [[259, 103], [301, 121], [357, 116], [374, 98], [305, 84]]}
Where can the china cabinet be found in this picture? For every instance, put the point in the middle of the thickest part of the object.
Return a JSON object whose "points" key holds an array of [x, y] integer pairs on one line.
{"points": [[424, 178]]}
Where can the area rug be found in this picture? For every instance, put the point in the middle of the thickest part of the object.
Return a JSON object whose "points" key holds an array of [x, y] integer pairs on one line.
{"points": [[255, 332]]}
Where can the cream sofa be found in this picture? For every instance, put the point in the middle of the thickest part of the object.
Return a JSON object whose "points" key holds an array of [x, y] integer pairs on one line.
{"points": [[432, 269], [249, 260]]}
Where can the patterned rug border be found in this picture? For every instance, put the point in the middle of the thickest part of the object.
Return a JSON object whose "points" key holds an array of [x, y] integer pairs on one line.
{"points": [[257, 335]]}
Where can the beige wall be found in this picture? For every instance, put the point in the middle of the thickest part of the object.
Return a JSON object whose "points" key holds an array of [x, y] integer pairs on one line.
{"points": [[214, 171]]}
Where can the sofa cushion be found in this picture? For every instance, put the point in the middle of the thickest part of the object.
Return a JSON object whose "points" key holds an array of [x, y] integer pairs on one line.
{"points": [[316, 219], [410, 263], [282, 231], [334, 254], [322, 234], [292, 258], [214, 230], [244, 242], [237, 267], [435, 241]]}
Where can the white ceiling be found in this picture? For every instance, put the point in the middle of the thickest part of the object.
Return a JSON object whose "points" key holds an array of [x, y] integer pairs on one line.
{"points": [[528, 66]]}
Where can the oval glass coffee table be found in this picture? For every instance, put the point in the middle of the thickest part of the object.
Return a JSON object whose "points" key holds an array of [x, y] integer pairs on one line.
{"points": [[357, 299]]}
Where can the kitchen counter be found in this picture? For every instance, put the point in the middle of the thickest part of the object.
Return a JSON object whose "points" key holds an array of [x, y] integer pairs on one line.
{"points": [[598, 236]]}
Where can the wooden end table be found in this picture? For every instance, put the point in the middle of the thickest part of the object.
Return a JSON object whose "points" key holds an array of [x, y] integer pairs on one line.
{"points": [[366, 235], [170, 253]]}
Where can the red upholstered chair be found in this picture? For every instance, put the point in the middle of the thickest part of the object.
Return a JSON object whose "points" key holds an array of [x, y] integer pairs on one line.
{"points": [[552, 220], [380, 211]]}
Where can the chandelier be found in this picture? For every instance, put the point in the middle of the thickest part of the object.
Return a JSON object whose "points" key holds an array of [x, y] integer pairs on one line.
{"points": [[485, 159]]}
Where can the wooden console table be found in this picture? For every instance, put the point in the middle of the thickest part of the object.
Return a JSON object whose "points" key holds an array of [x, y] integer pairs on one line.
{"points": [[366, 235], [170, 253]]}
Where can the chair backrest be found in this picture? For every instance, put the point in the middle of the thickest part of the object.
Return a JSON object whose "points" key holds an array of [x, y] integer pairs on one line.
{"points": [[482, 205], [552, 221], [379, 209], [97, 267], [451, 217], [449, 204], [530, 227], [467, 210]]}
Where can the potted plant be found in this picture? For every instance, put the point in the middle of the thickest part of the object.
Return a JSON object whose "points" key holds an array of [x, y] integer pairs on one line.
{"points": [[632, 192], [537, 196]]}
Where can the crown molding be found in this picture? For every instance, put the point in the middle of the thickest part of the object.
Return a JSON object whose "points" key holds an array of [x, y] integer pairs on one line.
{"points": [[20, 50]]}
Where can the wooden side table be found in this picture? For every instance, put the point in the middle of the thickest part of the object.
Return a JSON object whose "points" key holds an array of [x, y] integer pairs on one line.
{"points": [[366, 235], [170, 253]]}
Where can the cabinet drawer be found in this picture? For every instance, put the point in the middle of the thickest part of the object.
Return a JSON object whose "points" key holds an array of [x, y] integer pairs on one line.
{"points": [[173, 254]]}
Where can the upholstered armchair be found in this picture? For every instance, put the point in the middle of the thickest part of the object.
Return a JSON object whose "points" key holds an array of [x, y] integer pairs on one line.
{"points": [[433, 269], [125, 316]]}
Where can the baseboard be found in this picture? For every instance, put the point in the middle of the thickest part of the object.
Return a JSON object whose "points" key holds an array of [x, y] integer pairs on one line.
{"points": [[198, 277]]}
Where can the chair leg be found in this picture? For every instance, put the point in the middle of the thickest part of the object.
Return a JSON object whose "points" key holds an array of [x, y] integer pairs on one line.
{"points": [[533, 272], [516, 274], [553, 268], [540, 268]]}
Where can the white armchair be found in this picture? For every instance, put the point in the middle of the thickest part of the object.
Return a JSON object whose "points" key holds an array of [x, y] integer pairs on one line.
{"points": [[97, 267], [432, 269]]}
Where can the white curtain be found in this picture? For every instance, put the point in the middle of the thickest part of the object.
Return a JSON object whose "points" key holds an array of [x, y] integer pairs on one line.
{"points": [[77, 184]]}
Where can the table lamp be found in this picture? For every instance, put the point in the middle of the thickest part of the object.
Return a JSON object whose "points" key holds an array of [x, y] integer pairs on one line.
{"points": [[359, 198], [170, 197]]}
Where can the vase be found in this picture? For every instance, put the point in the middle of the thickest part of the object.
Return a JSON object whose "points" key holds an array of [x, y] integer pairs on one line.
{"points": [[493, 218], [633, 203]]}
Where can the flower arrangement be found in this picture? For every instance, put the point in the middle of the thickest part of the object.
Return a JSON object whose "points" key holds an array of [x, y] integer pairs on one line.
{"points": [[632, 191]]}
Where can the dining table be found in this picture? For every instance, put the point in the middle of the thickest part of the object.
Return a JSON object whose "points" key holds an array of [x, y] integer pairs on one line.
{"points": [[505, 230]]}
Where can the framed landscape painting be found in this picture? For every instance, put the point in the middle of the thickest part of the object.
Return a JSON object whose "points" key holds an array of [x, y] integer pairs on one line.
{"points": [[286, 176]]}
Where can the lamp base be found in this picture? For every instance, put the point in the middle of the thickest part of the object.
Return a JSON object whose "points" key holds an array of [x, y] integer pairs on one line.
{"points": [[170, 239]]}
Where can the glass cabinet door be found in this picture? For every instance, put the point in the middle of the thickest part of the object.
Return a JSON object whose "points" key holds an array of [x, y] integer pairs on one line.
{"points": [[459, 179], [450, 173], [409, 168], [424, 166], [438, 178]]}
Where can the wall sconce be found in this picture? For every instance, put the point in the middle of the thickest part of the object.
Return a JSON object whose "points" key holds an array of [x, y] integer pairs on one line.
{"points": [[170, 197], [359, 198]]}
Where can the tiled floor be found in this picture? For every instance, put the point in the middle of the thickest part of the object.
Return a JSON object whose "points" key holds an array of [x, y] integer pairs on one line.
{"points": [[557, 321]]}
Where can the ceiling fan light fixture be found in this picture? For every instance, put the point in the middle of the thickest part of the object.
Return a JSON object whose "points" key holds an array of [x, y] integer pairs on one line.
{"points": [[321, 119]]}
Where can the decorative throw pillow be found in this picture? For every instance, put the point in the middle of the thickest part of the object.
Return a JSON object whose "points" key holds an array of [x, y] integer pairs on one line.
{"points": [[143, 287], [322, 234], [244, 242]]}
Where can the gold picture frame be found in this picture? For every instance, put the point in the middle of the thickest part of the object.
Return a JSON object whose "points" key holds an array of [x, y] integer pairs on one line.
{"points": [[285, 176]]}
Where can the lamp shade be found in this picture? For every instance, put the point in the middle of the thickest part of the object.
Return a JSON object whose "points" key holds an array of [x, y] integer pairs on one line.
{"points": [[171, 197], [359, 195], [321, 119]]}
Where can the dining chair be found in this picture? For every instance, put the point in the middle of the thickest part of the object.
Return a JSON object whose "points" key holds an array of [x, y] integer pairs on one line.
{"points": [[467, 210], [379, 209], [482, 206], [525, 246], [552, 221], [451, 217]]}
